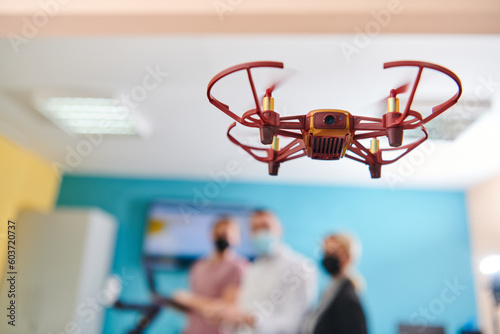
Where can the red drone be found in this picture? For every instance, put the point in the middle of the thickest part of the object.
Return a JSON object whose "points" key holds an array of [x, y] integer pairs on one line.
{"points": [[328, 134]]}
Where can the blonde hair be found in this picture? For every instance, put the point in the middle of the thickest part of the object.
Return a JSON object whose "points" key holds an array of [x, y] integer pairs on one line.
{"points": [[352, 247]]}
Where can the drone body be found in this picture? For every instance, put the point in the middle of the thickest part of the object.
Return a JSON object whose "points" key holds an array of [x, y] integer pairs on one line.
{"points": [[327, 134], [331, 134]]}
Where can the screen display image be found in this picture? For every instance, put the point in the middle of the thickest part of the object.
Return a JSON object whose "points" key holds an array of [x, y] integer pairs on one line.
{"points": [[179, 230]]}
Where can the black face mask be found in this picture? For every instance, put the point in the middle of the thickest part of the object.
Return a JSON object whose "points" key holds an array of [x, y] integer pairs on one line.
{"points": [[331, 264], [221, 244]]}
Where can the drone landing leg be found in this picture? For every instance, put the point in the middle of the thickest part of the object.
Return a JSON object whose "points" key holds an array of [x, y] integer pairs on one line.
{"points": [[273, 167], [375, 170]]}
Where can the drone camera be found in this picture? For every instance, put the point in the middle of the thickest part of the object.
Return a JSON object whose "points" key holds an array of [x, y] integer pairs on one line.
{"points": [[329, 120]]}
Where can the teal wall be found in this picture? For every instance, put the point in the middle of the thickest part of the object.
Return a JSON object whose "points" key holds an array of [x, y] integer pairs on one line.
{"points": [[416, 252]]}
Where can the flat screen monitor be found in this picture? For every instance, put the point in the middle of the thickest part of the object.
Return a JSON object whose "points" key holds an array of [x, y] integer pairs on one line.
{"points": [[182, 230]]}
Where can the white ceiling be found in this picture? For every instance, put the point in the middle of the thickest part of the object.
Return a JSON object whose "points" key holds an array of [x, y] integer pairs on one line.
{"points": [[188, 134]]}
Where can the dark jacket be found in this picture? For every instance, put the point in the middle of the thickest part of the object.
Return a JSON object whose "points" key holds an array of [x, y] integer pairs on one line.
{"points": [[344, 315]]}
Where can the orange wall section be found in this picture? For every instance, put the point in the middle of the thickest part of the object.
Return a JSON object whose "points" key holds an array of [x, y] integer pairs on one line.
{"points": [[27, 182]]}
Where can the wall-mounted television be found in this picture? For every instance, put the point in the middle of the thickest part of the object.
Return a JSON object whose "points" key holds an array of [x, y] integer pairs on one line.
{"points": [[181, 231]]}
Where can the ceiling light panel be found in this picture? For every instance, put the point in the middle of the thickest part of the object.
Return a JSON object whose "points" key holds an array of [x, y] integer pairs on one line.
{"points": [[86, 115]]}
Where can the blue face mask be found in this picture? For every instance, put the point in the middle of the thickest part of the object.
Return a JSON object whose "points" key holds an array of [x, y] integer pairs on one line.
{"points": [[264, 242]]}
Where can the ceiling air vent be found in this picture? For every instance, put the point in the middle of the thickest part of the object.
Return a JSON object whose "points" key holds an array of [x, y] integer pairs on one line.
{"points": [[453, 122]]}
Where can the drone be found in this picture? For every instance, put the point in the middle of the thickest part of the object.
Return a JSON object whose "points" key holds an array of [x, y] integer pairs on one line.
{"points": [[332, 134]]}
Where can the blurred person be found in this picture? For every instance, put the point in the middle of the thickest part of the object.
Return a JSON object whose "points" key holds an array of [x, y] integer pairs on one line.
{"points": [[339, 311], [278, 289], [216, 277]]}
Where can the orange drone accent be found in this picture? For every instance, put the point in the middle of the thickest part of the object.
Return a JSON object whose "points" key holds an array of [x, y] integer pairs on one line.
{"points": [[331, 134]]}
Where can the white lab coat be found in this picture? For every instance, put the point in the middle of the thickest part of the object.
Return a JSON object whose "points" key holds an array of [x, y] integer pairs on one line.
{"points": [[278, 291]]}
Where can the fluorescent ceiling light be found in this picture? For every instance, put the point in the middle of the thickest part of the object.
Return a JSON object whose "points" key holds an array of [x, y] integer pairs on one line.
{"points": [[85, 115]]}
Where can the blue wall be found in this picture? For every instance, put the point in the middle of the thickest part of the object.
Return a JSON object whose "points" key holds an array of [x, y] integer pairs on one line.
{"points": [[415, 243]]}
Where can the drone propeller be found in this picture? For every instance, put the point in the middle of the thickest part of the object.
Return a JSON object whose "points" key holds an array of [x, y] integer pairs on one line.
{"points": [[379, 107], [269, 91], [271, 118], [279, 80], [273, 86], [382, 103], [400, 90], [389, 107]]}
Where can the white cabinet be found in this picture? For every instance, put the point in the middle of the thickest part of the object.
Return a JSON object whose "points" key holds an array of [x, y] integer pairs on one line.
{"points": [[62, 261]]}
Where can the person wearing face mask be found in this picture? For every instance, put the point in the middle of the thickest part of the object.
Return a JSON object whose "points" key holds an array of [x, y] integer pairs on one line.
{"points": [[216, 278], [339, 311], [278, 289]]}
